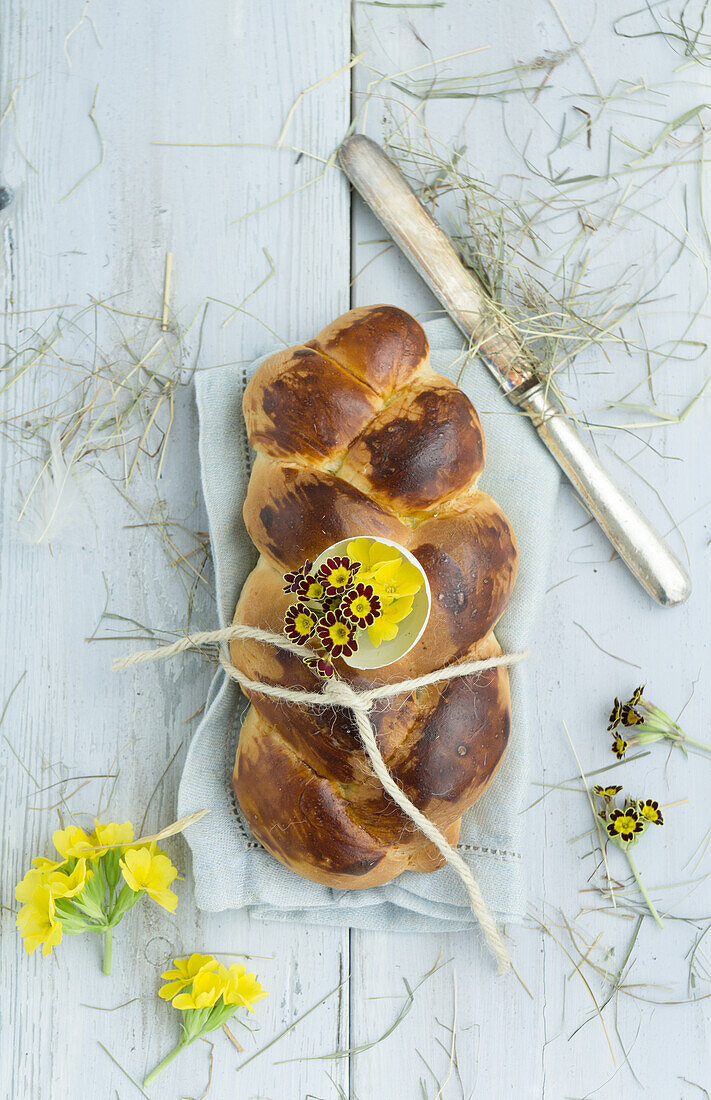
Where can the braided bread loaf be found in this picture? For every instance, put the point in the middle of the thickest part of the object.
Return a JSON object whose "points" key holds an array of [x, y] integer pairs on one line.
{"points": [[356, 435]]}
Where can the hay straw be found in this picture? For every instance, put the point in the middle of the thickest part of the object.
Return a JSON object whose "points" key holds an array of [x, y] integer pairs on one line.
{"points": [[577, 970], [166, 290], [691, 43], [558, 313], [352, 1052], [123, 1070], [157, 787], [311, 88], [622, 660], [233, 1039], [170, 830], [203, 1094], [12, 108], [111, 412], [298, 1020], [102, 148], [577, 47], [83, 18]]}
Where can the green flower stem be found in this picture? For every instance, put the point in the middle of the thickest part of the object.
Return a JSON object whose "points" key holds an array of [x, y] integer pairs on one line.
{"points": [[126, 899], [658, 721], [108, 944], [219, 1015], [166, 1062], [698, 744], [642, 890]]}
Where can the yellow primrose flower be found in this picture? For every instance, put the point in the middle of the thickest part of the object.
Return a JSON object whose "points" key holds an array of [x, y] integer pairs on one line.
{"points": [[111, 833], [65, 885], [625, 827], [206, 990], [370, 553], [37, 922], [25, 889], [43, 864], [615, 715], [397, 578], [385, 628], [150, 870], [241, 988], [394, 580], [184, 972], [390, 574], [37, 919], [73, 842], [210, 996], [83, 889], [60, 884]]}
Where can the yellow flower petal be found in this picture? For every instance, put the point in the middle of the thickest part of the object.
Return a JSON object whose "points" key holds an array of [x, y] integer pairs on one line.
{"points": [[397, 578], [150, 870], [52, 939], [241, 988], [379, 553], [72, 842], [24, 891], [165, 898], [206, 990], [385, 575], [38, 924], [385, 628], [171, 989], [369, 552], [187, 967], [382, 631], [110, 834], [63, 885], [185, 970], [43, 864], [399, 610], [135, 867], [409, 579]]}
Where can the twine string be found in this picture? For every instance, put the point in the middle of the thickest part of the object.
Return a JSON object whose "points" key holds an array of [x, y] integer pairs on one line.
{"points": [[339, 693]]}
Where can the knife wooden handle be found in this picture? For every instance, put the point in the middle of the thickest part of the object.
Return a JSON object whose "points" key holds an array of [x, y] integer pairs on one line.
{"points": [[390, 197], [432, 254]]}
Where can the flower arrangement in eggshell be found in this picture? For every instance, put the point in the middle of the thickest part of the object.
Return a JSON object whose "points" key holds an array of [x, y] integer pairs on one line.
{"points": [[365, 600]]}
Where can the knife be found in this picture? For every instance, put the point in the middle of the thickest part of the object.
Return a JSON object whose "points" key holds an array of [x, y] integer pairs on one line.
{"points": [[388, 194]]}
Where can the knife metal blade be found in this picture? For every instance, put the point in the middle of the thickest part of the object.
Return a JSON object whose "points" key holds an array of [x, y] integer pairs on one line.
{"points": [[386, 191]]}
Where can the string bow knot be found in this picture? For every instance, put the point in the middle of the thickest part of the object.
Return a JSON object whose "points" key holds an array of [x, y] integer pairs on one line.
{"points": [[340, 694]]}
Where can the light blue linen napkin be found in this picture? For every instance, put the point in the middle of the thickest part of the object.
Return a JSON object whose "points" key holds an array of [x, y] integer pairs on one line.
{"points": [[231, 869]]}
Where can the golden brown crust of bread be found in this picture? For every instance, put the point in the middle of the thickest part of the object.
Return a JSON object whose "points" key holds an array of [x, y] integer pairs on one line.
{"points": [[356, 435]]}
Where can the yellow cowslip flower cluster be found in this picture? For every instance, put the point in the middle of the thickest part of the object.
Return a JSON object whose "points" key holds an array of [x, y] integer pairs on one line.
{"points": [[40, 891], [394, 579], [208, 994], [83, 892]]}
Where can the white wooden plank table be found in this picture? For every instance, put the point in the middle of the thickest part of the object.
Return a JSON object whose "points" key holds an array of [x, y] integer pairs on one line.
{"points": [[221, 79]]}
